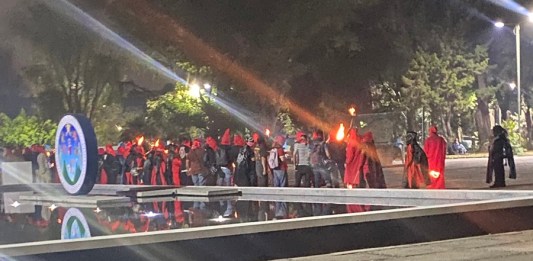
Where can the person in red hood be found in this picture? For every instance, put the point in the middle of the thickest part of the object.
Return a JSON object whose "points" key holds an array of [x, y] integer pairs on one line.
{"points": [[435, 148], [371, 166], [173, 166], [222, 160], [210, 160], [238, 143], [354, 160], [133, 168], [158, 166], [197, 170]]}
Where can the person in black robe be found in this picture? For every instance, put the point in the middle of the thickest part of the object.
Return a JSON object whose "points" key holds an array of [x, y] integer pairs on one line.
{"points": [[416, 168], [500, 154], [371, 167]]}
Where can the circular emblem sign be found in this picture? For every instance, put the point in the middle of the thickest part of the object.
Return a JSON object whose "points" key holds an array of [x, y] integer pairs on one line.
{"points": [[74, 225], [76, 154]]}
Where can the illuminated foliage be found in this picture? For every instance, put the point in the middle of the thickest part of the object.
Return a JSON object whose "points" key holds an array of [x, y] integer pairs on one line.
{"points": [[24, 130]]}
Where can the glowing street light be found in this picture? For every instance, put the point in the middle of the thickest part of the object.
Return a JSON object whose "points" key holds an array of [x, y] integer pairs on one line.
{"points": [[518, 68], [512, 85], [194, 90]]}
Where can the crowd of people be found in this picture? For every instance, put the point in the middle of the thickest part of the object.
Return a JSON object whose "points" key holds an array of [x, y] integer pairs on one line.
{"points": [[257, 160], [318, 161]]}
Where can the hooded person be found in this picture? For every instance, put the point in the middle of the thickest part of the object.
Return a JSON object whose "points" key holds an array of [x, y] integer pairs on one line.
{"points": [[173, 166], [238, 143], [134, 165], [372, 169], [111, 165], [319, 158], [222, 159], [197, 170], [245, 169], [435, 148], [416, 173], [499, 151], [277, 163], [260, 159], [159, 173], [354, 160]]}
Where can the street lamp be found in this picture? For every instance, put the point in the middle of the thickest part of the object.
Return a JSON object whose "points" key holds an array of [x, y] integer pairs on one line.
{"points": [[516, 31], [194, 90]]}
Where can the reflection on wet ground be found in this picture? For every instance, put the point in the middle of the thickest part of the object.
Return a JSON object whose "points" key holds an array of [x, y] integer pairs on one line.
{"points": [[52, 222]]}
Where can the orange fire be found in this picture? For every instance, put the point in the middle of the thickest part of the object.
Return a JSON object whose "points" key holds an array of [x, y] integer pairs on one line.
{"points": [[434, 174], [340, 133], [267, 132], [156, 143], [140, 141], [352, 111]]}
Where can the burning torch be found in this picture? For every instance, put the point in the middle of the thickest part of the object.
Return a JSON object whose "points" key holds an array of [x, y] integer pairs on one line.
{"points": [[353, 112]]}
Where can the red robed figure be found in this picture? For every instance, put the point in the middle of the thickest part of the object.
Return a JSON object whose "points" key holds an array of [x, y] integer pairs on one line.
{"points": [[435, 148], [354, 160]]}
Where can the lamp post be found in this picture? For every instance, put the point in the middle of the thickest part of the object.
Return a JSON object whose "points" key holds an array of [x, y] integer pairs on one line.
{"points": [[516, 32], [517, 35]]}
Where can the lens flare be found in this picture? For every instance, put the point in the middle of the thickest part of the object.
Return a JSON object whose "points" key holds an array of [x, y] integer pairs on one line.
{"points": [[78, 15], [511, 5], [166, 28]]}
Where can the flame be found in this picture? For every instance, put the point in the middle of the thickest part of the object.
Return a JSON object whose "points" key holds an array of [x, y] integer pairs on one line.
{"points": [[340, 133], [140, 141], [156, 143], [267, 132], [352, 111], [434, 174]]}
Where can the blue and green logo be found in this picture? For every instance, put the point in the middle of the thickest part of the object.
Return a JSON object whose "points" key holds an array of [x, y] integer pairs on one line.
{"points": [[76, 154], [75, 225]]}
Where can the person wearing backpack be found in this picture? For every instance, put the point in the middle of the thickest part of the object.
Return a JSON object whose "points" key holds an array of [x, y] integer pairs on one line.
{"points": [[277, 163], [245, 169], [499, 151], [318, 159], [302, 162]]}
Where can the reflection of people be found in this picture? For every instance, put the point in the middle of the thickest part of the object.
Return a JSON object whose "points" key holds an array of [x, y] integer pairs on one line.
{"points": [[416, 172], [499, 150], [458, 148], [435, 148]]}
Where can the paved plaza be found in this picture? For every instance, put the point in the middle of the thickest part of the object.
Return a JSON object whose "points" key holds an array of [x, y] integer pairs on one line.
{"points": [[460, 174]]}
